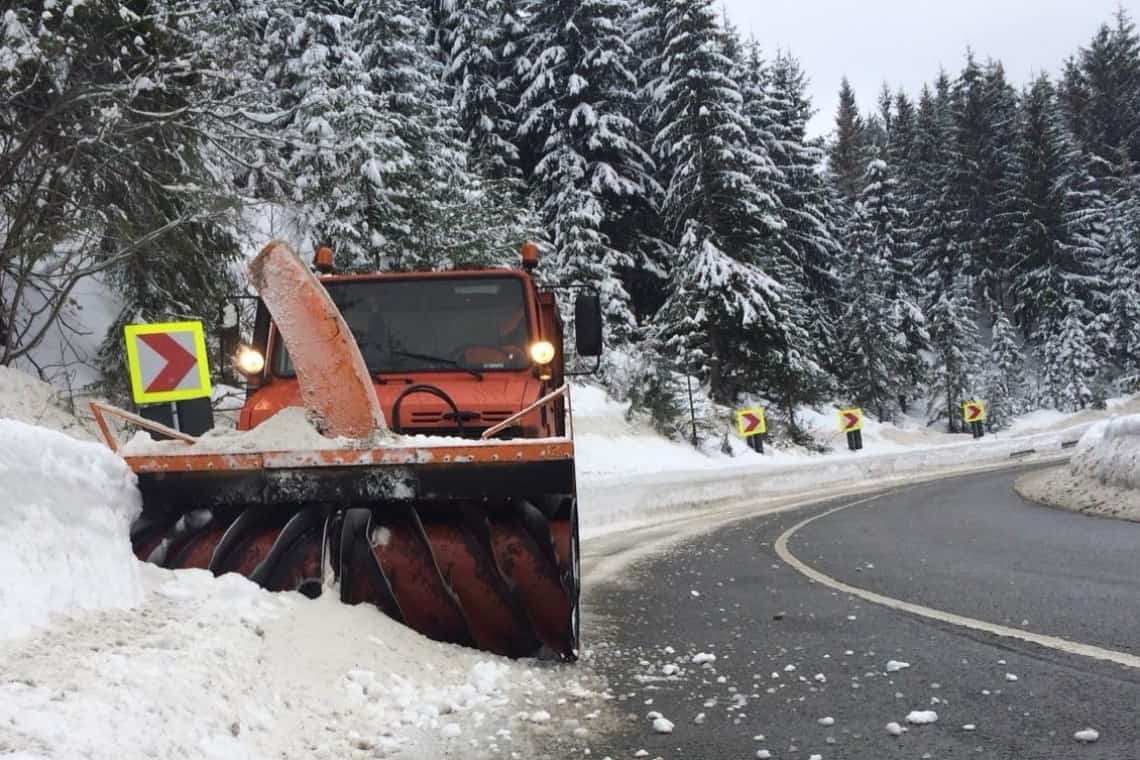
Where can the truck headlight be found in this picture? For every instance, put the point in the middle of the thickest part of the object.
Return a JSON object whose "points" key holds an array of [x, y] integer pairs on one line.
{"points": [[542, 352], [249, 361]]}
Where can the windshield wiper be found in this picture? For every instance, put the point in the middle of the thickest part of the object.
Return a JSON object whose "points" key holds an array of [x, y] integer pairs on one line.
{"points": [[440, 360]]}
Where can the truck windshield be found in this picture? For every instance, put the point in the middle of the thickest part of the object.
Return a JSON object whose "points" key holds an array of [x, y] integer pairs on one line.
{"points": [[414, 325]]}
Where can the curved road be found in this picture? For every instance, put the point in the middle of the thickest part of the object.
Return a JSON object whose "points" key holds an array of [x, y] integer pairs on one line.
{"points": [[801, 668]]}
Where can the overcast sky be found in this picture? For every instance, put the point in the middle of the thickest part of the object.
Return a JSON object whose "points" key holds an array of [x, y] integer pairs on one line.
{"points": [[903, 42]]}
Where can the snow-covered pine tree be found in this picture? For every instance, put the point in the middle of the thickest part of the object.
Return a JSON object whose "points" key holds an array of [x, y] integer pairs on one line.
{"points": [[1057, 222], [1069, 360], [476, 67], [847, 154], [713, 300], [999, 166], [957, 371], [982, 117], [1005, 376], [713, 200], [340, 158], [872, 350], [1100, 92], [446, 213], [592, 176], [1123, 316], [809, 210], [794, 373], [880, 242], [904, 126], [652, 249]]}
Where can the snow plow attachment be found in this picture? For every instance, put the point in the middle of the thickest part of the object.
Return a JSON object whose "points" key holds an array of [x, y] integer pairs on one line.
{"points": [[474, 545], [468, 542]]}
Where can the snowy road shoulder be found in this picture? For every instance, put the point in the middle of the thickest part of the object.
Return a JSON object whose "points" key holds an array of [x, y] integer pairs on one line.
{"points": [[218, 668]]}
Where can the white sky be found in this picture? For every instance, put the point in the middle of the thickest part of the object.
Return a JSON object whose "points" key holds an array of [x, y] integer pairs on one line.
{"points": [[903, 42]]}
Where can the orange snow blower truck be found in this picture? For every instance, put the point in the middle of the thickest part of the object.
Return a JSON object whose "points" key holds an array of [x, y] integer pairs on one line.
{"points": [[462, 525]]}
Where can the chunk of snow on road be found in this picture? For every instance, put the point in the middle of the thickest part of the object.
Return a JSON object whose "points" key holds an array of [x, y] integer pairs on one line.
{"points": [[65, 518], [816, 757], [763, 754], [820, 677], [539, 716], [894, 729], [1087, 735], [789, 668], [828, 721], [694, 592], [663, 725], [670, 670], [1010, 677], [969, 727], [922, 717], [641, 753], [653, 715], [703, 658], [699, 719], [894, 666]]}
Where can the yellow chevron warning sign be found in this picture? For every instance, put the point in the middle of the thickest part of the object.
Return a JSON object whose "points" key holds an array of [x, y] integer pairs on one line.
{"points": [[974, 411]]}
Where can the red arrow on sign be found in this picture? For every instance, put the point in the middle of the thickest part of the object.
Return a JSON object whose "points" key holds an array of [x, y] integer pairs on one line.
{"points": [[973, 412], [179, 362], [851, 419], [752, 420]]}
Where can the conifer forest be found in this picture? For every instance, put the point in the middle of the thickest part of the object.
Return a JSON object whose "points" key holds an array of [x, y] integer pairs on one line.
{"points": [[976, 238]]}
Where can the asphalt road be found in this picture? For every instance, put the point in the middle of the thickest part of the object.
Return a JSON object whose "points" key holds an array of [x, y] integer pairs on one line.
{"points": [[802, 669]]}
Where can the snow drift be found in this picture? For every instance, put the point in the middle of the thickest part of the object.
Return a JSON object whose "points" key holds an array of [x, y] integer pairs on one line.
{"points": [[24, 398], [1103, 477], [1109, 453], [65, 512]]}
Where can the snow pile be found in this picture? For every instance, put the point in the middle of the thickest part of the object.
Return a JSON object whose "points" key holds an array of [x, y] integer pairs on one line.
{"points": [[217, 668], [65, 512], [24, 398], [1103, 477], [1110, 453], [288, 430]]}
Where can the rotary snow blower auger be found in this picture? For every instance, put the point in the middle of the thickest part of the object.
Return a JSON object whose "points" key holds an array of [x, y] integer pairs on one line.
{"points": [[469, 535]]}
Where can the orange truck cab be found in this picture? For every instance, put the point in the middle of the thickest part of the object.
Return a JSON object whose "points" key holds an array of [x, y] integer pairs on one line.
{"points": [[450, 353]]}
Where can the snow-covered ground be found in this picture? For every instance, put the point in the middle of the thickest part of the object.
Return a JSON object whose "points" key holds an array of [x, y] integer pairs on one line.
{"points": [[1103, 477], [99, 653]]}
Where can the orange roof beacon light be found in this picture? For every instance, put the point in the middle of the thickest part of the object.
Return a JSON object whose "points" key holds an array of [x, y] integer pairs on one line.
{"points": [[323, 261], [530, 256]]}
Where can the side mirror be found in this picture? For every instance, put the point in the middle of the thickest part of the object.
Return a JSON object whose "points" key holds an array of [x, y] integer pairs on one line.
{"points": [[588, 325]]}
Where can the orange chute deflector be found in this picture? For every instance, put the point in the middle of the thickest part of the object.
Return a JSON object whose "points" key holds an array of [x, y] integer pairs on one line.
{"points": [[334, 380]]}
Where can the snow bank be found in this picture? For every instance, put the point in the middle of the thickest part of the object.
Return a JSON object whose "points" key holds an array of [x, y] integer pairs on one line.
{"points": [[607, 502], [1110, 453], [65, 513], [24, 398], [1103, 477], [219, 669]]}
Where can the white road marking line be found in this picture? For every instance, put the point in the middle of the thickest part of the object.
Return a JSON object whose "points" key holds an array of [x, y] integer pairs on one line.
{"points": [[1050, 642]]}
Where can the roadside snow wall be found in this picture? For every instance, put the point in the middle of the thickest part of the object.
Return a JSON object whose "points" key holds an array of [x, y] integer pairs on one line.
{"points": [[1110, 453], [65, 512]]}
